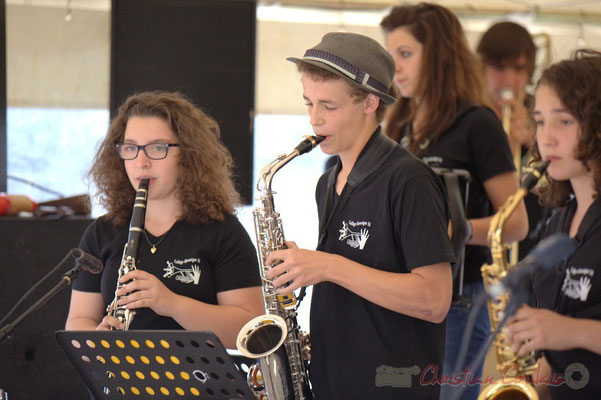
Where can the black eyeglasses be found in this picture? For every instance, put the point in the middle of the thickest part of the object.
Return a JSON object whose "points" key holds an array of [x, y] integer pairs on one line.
{"points": [[154, 151]]}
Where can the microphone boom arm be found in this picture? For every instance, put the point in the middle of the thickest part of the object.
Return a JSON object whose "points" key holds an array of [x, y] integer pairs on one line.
{"points": [[66, 280]]}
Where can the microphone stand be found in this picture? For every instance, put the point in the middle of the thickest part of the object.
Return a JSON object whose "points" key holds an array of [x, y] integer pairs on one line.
{"points": [[65, 281]]}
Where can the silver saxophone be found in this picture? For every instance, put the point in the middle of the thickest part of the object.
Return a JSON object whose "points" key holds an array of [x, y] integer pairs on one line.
{"points": [[130, 253], [274, 339]]}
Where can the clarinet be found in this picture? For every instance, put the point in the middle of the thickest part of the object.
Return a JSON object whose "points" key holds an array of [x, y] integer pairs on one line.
{"points": [[130, 253]]}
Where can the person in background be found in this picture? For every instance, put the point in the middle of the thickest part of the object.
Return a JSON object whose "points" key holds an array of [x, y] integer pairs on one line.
{"points": [[567, 325], [440, 116], [508, 54], [197, 268], [381, 273]]}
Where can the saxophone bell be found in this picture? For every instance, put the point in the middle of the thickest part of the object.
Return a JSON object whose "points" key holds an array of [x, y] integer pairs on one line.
{"points": [[510, 366], [262, 339], [274, 339]]}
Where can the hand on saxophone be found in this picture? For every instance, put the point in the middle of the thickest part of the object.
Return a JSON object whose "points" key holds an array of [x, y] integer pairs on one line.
{"points": [[521, 130], [146, 290], [299, 267], [540, 329]]}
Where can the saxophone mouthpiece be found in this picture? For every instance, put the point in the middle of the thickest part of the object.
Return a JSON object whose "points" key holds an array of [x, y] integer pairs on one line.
{"points": [[533, 177], [308, 144]]}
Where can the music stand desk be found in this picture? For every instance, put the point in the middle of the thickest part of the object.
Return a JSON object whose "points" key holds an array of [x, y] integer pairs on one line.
{"points": [[130, 365]]}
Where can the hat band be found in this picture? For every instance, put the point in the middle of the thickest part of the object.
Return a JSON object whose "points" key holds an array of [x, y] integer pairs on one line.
{"points": [[348, 69]]}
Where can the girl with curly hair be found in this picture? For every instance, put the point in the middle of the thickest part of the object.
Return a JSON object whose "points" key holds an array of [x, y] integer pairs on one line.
{"points": [[567, 326], [197, 268]]}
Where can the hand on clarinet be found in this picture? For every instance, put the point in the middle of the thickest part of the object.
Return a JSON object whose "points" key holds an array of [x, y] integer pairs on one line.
{"points": [[110, 322], [146, 290]]}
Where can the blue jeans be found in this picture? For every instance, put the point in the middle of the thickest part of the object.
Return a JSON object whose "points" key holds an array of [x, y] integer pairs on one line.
{"points": [[456, 324]]}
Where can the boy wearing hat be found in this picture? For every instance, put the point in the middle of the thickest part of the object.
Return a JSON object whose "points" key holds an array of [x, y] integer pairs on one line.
{"points": [[381, 274]]}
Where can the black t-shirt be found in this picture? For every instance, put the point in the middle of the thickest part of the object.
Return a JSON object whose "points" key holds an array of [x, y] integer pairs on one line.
{"points": [[475, 142], [394, 220], [573, 288], [196, 261]]}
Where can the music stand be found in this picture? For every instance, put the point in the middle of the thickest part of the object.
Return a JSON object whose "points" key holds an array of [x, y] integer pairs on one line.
{"points": [[154, 364]]}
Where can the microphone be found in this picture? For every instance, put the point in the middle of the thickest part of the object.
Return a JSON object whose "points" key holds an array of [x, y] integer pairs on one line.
{"points": [[546, 254], [86, 262]]}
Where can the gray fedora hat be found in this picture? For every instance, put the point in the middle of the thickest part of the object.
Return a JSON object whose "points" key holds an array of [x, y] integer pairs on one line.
{"points": [[359, 59]]}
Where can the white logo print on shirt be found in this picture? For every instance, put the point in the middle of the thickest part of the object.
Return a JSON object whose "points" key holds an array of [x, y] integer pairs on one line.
{"points": [[354, 239], [577, 283], [184, 274]]}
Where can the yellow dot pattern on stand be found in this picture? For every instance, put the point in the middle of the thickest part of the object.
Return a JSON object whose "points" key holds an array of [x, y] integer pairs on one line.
{"points": [[149, 364]]}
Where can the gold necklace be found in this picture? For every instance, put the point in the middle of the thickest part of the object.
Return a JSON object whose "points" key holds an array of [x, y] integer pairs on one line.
{"points": [[153, 246]]}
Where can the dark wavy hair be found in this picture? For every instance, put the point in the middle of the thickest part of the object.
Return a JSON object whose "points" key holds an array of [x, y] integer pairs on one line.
{"points": [[204, 186], [577, 82], [450, 74]]}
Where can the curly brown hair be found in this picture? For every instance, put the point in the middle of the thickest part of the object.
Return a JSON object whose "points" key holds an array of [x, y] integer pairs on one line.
{"points": [[358, 95], [577, 82], [452, 73], [204, 186]]}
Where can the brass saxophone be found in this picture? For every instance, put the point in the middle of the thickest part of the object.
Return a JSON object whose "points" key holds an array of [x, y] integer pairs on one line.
{"points": [[274, 339], [507, 94], [130, 253], [509, 364]]}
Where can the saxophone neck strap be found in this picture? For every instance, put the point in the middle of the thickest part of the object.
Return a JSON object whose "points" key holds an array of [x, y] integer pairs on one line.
{"points": [[566, 214], [376, 151]]}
